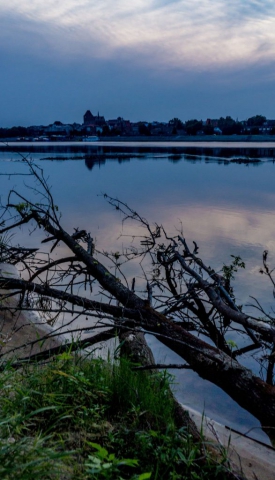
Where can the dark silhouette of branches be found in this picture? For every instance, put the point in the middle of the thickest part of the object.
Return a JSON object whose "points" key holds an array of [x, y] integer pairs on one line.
{"points": [[185, 304]]}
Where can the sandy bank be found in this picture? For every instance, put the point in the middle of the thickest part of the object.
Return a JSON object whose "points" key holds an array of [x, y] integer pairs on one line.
{"points": [[19, 329], [254, 459]]}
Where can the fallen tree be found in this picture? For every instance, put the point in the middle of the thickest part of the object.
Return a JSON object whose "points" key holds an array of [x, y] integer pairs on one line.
{"points": [[179, 300]]}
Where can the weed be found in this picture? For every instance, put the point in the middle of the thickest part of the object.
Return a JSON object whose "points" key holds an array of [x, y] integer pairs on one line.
{"points": [[81, 419]]}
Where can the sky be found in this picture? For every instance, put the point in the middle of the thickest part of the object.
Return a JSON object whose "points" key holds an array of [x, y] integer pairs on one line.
{"points": [[139, 59]]}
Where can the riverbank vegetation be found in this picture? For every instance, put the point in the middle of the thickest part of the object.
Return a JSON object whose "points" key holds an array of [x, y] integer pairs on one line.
{"points": [[79, 417]]}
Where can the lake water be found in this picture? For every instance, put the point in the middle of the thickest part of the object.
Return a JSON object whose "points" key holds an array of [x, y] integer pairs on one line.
{"points": [[226, 207]]}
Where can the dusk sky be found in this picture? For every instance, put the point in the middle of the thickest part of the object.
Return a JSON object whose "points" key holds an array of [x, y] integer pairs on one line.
{"points": [[139, 59]]}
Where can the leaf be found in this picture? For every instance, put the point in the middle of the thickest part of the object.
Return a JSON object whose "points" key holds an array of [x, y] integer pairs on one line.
{"points": [[102, 452], [63, 374], [64, 356], [40, 410], [129, 462], [144, 476], [231, 344], [118, 348]]}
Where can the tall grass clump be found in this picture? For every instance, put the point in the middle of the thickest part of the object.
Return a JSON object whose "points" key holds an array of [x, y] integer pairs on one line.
{"points": [[25, 453], [137, 391], [76, 418]]}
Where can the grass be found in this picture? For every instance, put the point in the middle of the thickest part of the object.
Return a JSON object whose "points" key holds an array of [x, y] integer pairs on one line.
{"points": [[79, 419]]}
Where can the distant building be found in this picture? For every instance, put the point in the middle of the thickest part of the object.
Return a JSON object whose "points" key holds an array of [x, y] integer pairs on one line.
{"points": [[88, 118], [58, 128], [120, 125], [267, 127], [162, 128], [93, 120]]}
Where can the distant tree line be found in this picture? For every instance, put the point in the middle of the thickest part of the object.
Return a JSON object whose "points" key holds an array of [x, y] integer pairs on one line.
{"points": [[13, 132], [224, 125]]}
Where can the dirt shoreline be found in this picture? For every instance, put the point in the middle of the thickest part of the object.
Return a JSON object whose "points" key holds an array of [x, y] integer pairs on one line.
{"points": [[251, 457], [18, 329]]}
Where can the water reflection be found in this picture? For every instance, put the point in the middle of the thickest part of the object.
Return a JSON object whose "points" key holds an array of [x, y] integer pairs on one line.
{"points": [[92, 160], [176, 157]]}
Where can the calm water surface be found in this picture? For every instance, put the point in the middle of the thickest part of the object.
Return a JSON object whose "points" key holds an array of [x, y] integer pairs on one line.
{"points": [[227, 208]]}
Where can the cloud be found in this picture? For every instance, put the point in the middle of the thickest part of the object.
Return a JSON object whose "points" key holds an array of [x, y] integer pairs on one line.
{"points": [[198, 35], [152, 59]]}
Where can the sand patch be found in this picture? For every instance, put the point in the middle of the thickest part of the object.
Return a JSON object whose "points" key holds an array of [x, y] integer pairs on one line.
{"points": [[18, 329]]}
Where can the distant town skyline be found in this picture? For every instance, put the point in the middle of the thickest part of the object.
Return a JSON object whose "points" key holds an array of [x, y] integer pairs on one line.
{"points": [[142, 60], [97, 126]]}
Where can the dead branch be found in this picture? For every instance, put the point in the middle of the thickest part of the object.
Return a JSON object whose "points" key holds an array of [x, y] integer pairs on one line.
{"points": [[179, 284]]}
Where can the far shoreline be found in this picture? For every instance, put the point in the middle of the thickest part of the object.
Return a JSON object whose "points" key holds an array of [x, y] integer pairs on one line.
{"points": [[254, 146], [232, 139]]}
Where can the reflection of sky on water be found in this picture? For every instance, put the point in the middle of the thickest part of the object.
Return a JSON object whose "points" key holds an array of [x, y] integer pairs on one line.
{"points": [[226, 209]]}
